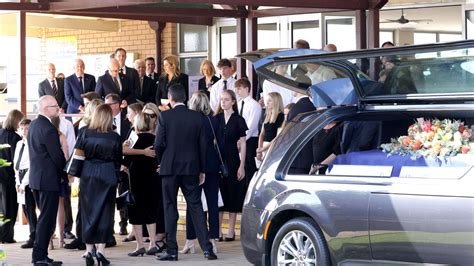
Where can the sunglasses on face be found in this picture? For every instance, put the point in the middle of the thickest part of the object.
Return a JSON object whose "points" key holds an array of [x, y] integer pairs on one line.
{"points": [[150, 115]]}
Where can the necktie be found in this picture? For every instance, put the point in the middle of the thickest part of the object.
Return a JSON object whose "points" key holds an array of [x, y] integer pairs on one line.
{"points": [[117, 85], [225, 84], [55, 89], [81, 84], [121, 71], [17, 165], [141, 86], [242, 108], [114, 125], [150, 76]]}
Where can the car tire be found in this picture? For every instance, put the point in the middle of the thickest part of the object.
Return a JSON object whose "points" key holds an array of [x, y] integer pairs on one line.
{"points": [[292, 238]]}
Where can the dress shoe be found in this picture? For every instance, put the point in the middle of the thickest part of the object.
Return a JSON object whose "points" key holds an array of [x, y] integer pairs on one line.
{"points": [[123, 231], [10, 241], [220, 239], [188, 247], [69, 235], [129, 239], [167, 257], [101, 259], [229, 239], [89, 259], [153, 251], [138, 252], [161, 244], [75, 244], [28, 244], [47, 261], [210, 255]]}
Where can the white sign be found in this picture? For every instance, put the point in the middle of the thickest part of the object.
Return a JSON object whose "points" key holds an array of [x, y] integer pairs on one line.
{"points": [[361, 170]]}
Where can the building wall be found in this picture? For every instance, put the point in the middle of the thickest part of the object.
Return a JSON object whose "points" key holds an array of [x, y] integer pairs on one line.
{"points": [[134, 36]]}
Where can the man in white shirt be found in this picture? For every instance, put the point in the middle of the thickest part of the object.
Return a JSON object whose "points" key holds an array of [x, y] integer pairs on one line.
{"points": [[251, 111], [319, 73], [22, 164], [225, 83], [268, 86]]}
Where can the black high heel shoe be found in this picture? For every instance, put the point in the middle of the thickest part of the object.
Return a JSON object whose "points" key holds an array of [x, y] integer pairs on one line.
{"points": [[101, 259], [153, 251], [89, 259], [161, 245], [138, 252]]}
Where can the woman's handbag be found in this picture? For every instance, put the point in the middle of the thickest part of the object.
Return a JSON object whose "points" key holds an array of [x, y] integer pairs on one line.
{"points": [[75, 163], [222, 167], [125, 199]]}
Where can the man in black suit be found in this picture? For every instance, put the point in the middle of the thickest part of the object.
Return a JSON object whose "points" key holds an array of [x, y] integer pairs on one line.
{"points": [[124, 71], [150, 72], [75, 85], [303, 161], [112, 82], [147, 87], [181, 150], [46, 165], [54, 87], [122, 126]]}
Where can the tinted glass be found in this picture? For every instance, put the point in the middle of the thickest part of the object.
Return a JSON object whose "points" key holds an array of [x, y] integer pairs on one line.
{"points": [[192, 38], [191, 65]]}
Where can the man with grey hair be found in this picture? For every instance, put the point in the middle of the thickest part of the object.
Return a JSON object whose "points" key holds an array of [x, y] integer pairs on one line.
{"points": [[77, 84], [53, 86], [112, 82], [147, 87], [46, 165]]}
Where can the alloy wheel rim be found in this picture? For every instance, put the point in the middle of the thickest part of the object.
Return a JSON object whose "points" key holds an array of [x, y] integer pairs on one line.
{"points": [[296, 248]]}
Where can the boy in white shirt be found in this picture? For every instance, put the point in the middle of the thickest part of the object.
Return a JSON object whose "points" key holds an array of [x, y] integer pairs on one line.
{"points": [[22, 164], [225, 83]]}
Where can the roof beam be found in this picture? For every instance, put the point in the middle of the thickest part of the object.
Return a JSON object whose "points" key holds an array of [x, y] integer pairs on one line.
{"points": [[24, 6], [273, 12], [153, 10], [159, 18], [336, 4]]}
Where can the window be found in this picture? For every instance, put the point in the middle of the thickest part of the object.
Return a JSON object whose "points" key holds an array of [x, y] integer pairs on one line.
{"points": [[386, 36], [228, 41], [193, 47], [267, 36], [470, 24], [307, 30], [341, 32], [424, 37], [449, 37]]}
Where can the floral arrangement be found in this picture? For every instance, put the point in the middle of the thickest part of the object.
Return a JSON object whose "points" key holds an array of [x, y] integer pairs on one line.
{"points": [[432, 138], [3, 221]]}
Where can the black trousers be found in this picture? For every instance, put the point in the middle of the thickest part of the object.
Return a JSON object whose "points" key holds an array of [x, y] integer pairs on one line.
{"points": [[251, 153], [79, 222], [122, 187], [48, 203], [30, 211], [68, 221], [189, 185], [211, 190], [9, 209]]}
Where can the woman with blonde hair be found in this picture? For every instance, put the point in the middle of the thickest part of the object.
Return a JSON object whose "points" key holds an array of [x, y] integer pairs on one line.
{"points": [[142, 184], [102, 147], [171, 75], [90, 108], [209, 76], [274, 118]]}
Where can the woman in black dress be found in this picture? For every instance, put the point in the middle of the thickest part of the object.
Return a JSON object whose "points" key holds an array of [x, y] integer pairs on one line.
{"points": [[142, 184], [8, 200], [274, 118], [326, 146], [103, 151], [172, 75], [232, 129], [209, 72]]}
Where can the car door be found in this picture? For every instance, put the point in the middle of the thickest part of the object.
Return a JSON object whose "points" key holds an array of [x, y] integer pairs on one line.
{"points": [[424, 220]]}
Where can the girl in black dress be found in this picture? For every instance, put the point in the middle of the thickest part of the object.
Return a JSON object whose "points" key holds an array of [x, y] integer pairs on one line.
{"points": [[103, 151], [326, 146], [209, 73], [232, 129], [142, 184], [274, 118]]}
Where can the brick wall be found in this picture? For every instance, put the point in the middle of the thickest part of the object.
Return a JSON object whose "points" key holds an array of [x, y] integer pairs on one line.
{"points": [[134, 36]]}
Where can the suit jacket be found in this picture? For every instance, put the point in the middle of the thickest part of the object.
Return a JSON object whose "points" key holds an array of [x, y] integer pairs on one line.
{"points": [[46, 157], [163, 85], [304, 105], [131, 75], [180, 142], [44, 88], [202, 86], [305, 157], [73, 91], [105, 85], [147, 92], [7, 174], [125, 127]]}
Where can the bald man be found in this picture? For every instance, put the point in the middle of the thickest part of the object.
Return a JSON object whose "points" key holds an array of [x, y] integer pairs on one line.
{"points": [[53, 86], [147, 87], [77, 84], [330, 47], [112, 82], [46, 165]]}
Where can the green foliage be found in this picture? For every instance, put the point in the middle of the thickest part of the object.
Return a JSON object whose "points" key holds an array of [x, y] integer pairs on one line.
{"points": [[3, 162]]}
